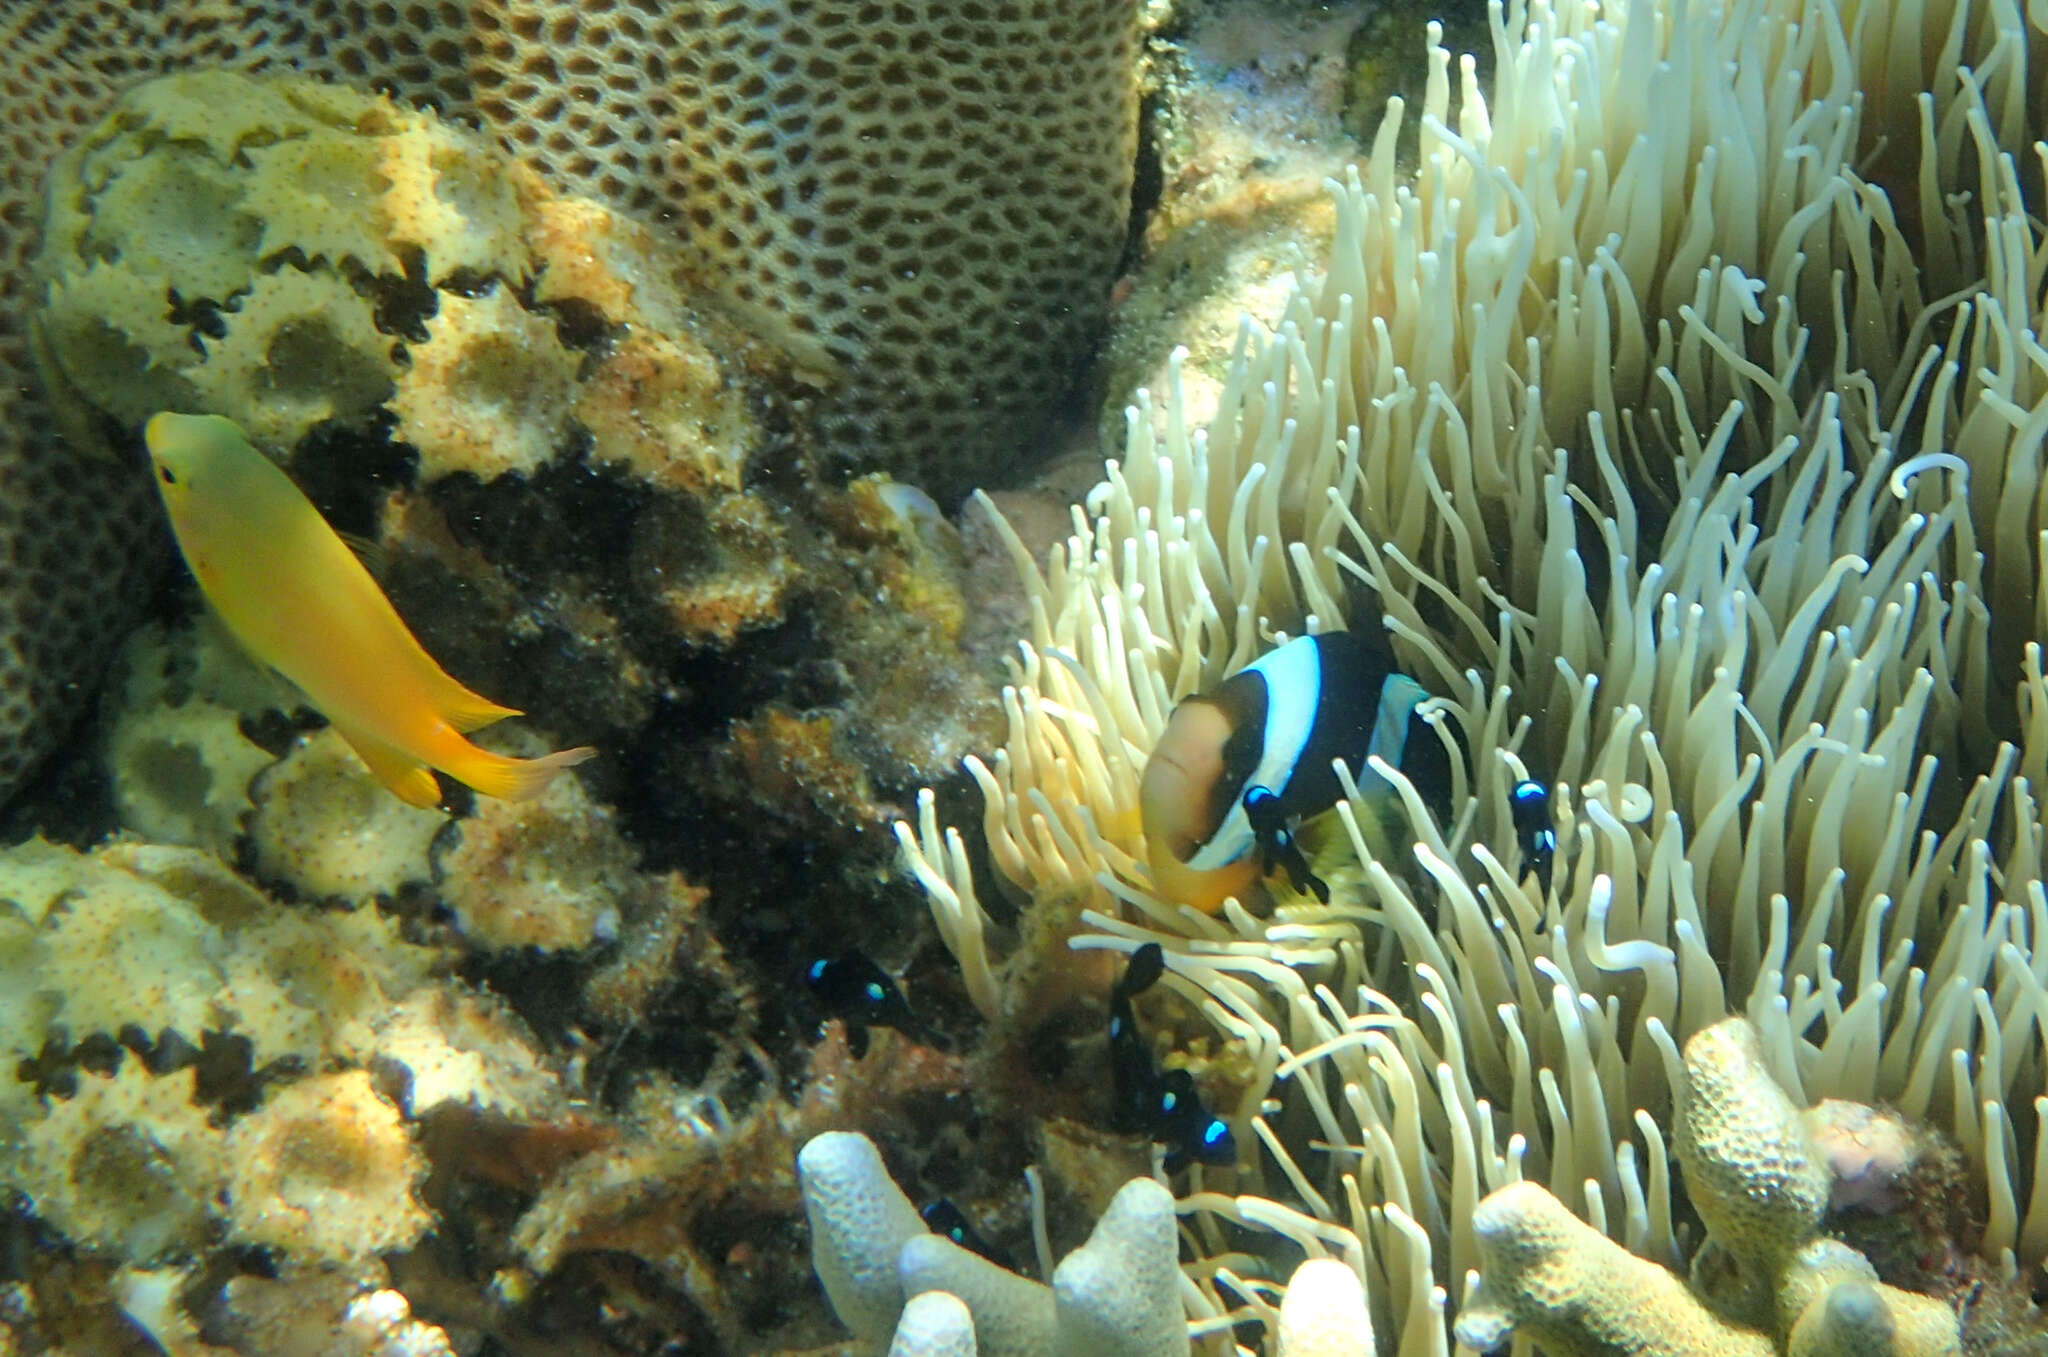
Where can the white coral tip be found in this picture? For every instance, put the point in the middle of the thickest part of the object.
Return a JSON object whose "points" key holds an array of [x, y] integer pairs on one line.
{"points": [[1323, 1313], [935, 1324], [859, 1220], [1118, 1295]]}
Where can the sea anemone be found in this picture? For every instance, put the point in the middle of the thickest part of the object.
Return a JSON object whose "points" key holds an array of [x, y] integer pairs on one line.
{"points": [[1681, 419]]}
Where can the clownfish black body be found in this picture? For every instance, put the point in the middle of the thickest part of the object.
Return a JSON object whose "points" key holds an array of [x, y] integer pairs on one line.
{"points": [[1240, 765], [1164, 1106]]}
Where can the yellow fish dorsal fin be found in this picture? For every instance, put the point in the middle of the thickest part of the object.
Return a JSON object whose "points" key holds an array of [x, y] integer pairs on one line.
{"points": [[461, 708], [408, 779]]}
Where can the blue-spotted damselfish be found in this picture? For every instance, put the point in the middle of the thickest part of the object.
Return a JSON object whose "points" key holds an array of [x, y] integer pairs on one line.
{"points": [[946, 1219], [1535, 833], [853, 989], [1166, 1107]]}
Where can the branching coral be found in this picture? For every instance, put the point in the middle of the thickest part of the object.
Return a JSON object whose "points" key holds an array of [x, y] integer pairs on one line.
{"points": [[1118, 1295], [1766, 1281], [1683, 428]]}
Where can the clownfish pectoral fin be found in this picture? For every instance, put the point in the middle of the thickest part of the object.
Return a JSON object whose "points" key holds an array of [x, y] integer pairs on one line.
{"points": [[508, 778], [408, 779]]}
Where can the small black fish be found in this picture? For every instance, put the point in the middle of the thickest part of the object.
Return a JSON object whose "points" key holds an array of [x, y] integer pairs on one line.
{"points": [[1132, 1073], [1166, 1108], [1187, 1129], [946, 1219], [1535, 834], [853, 989]]}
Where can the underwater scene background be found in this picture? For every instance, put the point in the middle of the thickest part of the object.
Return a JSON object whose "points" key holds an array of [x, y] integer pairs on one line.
{"points": [[1023, 676]]}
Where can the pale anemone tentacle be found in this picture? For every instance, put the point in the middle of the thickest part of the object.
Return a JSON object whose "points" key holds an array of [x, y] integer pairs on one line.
{"points": [[1625, 408]]}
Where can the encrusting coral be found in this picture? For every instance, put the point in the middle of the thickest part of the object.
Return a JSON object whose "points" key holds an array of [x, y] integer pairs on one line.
{"points": [[907, 192], [326, 1168], [490, 390], [145, 967], [178, 758], [1681, 431], [325, 826]]}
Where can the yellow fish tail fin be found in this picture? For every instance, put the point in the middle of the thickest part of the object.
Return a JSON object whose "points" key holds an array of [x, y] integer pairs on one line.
{"points": [[512, 779], [409, 780]]}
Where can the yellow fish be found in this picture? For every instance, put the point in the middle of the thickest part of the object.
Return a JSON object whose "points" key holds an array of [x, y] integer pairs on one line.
{"points": [[299, 600]]}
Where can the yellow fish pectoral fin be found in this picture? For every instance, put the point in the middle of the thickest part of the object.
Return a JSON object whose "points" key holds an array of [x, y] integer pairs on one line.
{"points": [[409, 780], [508, 778]]}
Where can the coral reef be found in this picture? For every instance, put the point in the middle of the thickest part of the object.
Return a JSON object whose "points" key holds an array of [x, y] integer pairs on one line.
{"points": [[1251, 126], [163, 255], [139, 940], [489, 392], [326, 827], [1007, 282], [178, 758], [1323, 1313], [77, 531], [325, 1168], [1678, 429]]}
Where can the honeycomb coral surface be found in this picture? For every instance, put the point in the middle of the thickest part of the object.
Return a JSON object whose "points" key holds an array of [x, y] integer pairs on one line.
{"points": [[928, 196]]}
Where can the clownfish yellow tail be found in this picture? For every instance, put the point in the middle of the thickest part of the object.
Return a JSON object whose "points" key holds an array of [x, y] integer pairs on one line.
{"points": [[508, 778]]}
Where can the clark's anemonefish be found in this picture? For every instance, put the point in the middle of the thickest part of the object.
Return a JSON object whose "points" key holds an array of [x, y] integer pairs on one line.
{"points": [[1237, 767]]}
